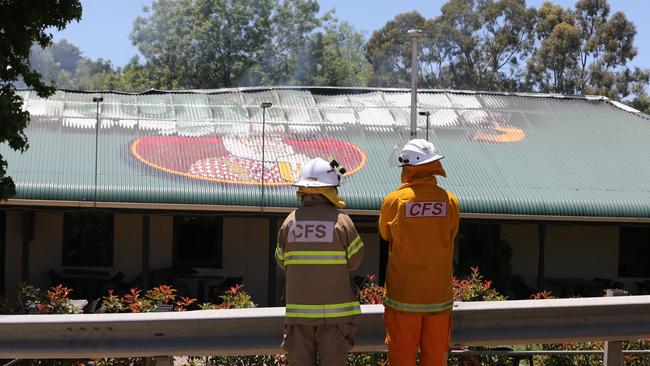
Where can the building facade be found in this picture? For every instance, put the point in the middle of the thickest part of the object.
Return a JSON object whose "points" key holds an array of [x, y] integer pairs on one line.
{"points": [[190, 188]]}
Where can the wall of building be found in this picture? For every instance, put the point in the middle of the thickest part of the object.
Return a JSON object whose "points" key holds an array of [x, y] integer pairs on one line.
{"points": [[571, 251], [582, 251], [46, 248], [245, 249], [246, 253], [161, 241], [127, 245], [524, 243], [13, 251]]}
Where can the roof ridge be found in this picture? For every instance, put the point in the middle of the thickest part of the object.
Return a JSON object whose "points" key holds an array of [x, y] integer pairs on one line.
{"points": [[342, 88], [248, 89]]}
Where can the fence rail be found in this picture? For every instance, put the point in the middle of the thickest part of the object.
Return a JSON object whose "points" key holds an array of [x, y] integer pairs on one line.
{"points": [[257, 331]]}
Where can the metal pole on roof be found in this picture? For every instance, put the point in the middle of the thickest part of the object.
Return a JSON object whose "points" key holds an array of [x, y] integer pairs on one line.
{"points": [[415, 34], [264, 106], [427, 114], [96, 100]]}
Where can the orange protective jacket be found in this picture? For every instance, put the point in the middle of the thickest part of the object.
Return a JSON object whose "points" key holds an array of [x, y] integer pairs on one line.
{"points": [[420, 221]]}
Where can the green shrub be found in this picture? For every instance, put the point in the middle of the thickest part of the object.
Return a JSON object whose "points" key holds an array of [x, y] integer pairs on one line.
{"points": [[6, 307], [132, 361], [365, 359], [55, 301], [475, 288], [266, 360], [155, 298], [637, 360], [236, 298], [371, 292]]}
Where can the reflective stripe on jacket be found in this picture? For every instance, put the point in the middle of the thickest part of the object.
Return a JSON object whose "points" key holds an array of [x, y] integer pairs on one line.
{"points": [[323, 311], [420, 221], [317, 247]]}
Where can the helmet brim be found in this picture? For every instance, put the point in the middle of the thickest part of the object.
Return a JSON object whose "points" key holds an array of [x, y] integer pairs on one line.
{"points": [[313, 184], [431, 159]]}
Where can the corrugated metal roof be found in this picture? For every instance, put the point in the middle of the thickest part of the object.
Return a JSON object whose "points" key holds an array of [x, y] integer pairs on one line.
{"points": [[510, 154]]}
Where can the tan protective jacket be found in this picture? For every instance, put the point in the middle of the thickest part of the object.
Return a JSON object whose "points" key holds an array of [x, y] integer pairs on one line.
{"points": [[317, 248], [420, 221]]}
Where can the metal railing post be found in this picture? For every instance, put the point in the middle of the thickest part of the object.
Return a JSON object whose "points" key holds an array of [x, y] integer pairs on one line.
{"points": [[614, 353], [614, 349]]}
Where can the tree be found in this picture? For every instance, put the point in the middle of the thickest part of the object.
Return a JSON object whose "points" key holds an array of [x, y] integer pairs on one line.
{"points": [[62, 65], [553, 67], [389, 50], [224, 43], [338, 58], [66, 54], [487, 39], [642, 103], [473, 44], [284, 43], [584, 51], [43, 61], [23, 23], [134, 77]]}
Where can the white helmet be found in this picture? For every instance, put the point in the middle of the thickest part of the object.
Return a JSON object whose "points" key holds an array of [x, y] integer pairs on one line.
{"points": [[318, 173], [417, 152]]}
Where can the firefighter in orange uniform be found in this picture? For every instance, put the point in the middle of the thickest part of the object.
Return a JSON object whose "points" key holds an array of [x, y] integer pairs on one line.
{"points": [[420, 221], [317, 248]]}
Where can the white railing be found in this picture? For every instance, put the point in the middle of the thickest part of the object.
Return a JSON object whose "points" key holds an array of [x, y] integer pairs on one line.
{"points": [[258, 331]]}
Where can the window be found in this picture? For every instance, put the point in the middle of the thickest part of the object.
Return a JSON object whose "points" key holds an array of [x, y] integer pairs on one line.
{"points": [[198, 241], [480, 245], [634, 252], [88, 239]]}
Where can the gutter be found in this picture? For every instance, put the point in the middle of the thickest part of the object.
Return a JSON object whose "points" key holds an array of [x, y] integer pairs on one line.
{"points": [[286, 210]]}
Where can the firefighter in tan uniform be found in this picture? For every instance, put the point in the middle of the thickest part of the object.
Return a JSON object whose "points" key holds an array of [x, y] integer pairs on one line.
{"points": [[317, 248], [420, 221]]}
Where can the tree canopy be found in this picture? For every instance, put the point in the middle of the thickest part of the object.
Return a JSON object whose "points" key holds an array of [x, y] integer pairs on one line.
{"points": [[504, 45], [224, 43], [22, 24], [499, 45], [584, 51]]}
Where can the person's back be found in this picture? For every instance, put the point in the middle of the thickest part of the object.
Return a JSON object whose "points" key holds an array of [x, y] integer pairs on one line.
{"points": [[420, 221], [421, 236], [317, 243], [317, 248]]}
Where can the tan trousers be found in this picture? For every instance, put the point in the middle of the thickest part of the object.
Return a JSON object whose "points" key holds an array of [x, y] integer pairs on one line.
{"points": [[330, 342]]}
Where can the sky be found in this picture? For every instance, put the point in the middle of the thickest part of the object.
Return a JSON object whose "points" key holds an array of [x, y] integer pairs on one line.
{"points": [[104, 29]]}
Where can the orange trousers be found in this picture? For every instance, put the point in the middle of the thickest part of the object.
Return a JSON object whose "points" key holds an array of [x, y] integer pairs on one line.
{"points": [[406, 333]]}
